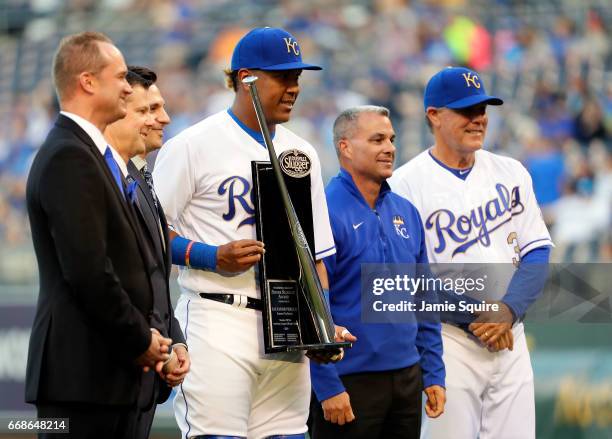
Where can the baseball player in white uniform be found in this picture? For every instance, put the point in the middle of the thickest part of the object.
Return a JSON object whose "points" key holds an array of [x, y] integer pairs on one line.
{"points": [[478, 207], [203, 180]]}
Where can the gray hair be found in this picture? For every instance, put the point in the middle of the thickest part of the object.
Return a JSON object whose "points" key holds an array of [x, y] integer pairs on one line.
{"points": [[345, 122]]}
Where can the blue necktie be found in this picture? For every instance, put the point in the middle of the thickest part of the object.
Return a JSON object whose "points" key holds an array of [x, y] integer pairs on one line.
{"points": [[131, 188], [114, 168]]}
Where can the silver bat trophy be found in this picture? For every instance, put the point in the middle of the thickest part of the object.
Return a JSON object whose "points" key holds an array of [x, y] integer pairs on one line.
{"points": [[309, 278]]}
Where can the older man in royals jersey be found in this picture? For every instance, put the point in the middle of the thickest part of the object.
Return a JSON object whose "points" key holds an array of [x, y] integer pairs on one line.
{"points": [[203, 180], [478, 207]]}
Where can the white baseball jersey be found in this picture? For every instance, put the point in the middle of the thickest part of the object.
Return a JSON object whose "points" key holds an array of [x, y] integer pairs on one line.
{"points": [[490, 217], [203, 180]]}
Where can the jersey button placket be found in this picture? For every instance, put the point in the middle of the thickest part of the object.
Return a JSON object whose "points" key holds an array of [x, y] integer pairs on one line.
{"points": [[485, 251], [474, 232], [381, 236]]}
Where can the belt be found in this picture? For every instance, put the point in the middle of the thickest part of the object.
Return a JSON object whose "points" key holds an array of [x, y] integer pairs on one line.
{"points": [[237, 300]]}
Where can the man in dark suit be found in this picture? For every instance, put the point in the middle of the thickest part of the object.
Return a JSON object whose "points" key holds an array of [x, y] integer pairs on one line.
{"points": [[91, 337], [131, 138], [139, 170]]}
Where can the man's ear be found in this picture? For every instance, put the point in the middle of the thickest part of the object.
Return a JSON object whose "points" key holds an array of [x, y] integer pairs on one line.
{"points": [[243, 73], [434, 116], [344, 148], [87, 82]]}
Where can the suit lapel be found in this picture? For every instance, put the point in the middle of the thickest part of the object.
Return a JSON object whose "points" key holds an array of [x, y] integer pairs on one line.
{"points": [[149, 215], [72, 126], [136, 175], [68, 123], [167, 253], [122, 201], [148, 212]]}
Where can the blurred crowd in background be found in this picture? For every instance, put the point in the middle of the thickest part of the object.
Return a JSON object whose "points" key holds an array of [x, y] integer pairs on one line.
{"points": [[548, 59]]}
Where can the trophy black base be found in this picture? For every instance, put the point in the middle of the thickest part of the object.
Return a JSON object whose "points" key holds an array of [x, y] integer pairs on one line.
{"points": [[332, 348]]}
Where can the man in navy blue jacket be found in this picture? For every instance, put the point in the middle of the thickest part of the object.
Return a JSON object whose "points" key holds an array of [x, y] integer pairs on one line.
{"points": [[376, 391]]}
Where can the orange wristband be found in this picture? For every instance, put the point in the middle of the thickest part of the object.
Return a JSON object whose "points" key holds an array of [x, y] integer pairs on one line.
{"points": [[187, 253]]}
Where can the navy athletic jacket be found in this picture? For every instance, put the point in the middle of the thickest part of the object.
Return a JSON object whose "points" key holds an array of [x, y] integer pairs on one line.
{"points": [[366, 235]]}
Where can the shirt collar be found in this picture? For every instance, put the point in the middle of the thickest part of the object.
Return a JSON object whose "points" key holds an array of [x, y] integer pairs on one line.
{"points": [[91, 130], [459, 173], [255, 135], [119, 160], [98, 138], [345, 176], [139, 162]]}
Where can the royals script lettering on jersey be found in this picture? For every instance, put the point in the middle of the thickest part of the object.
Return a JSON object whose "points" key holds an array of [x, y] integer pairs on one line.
{"points": [[203, 180], [492, 216]]}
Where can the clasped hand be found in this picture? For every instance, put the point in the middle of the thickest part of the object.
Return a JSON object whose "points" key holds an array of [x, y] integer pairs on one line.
{"points": [[494, 328], [156, 354], [173, 372], [173, 367]]}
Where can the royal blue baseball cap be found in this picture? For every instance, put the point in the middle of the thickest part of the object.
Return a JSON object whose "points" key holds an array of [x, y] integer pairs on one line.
{"points": [[269, 48], [457, 87]]}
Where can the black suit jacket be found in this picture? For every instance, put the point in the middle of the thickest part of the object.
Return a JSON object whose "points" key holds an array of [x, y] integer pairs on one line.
{"points": [[155, 227], [95, 292]]}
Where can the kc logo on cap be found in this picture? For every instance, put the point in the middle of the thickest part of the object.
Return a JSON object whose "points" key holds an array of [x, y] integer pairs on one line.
{"points": [[456, 87], [471, 78], [292, 45], [269, 48]]}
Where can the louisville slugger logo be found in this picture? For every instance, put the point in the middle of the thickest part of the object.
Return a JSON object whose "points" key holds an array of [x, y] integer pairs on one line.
{"points": [[292, 46], [449, 228], [238, 192], [472, 79], [295, 163]]}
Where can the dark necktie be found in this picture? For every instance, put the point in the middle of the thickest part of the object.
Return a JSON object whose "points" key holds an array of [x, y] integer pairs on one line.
{"points": [[114, 168], [148, 178]]}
